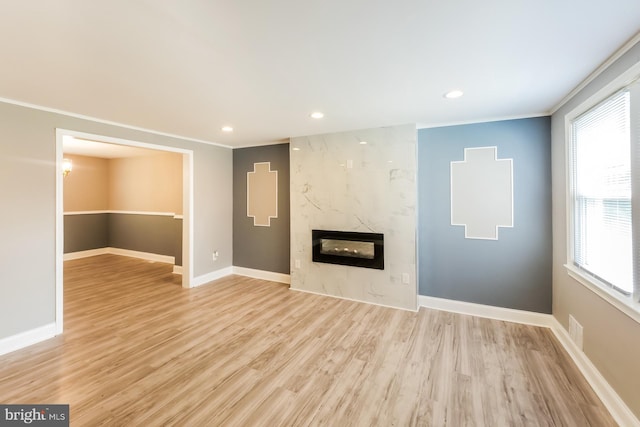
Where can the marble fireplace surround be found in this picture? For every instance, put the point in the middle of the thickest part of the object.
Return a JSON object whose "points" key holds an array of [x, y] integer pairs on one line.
{"points": [[340, 183]]}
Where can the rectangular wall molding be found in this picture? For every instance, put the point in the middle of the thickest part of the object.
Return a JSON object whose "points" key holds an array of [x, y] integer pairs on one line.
{"points": [[27, 338], [264, 275], [616, 406]]}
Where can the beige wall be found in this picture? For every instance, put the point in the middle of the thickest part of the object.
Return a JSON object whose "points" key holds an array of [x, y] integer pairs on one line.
{"points": [[611, 338], [86, 187], [151, 183]]}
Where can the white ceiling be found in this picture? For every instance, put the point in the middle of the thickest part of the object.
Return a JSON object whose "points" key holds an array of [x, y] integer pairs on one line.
{"points": [[190, 67], [84, 147]]}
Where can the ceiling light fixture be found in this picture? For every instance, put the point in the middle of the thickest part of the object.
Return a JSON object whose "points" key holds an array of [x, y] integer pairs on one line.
{"points": [[317, 115], [227, 129], [295, 149], [363, 142], [453, 94]]}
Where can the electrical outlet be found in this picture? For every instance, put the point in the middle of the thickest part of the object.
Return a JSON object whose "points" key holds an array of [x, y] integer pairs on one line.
{"points": [[576, 332], [215, 255], [297, 263], [405, 278]]}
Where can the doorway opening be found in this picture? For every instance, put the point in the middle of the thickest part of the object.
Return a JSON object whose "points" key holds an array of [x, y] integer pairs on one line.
{"points": [[105, 142]]}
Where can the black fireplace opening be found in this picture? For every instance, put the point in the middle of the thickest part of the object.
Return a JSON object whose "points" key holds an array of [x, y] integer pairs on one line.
{"points": [[348, 248]]}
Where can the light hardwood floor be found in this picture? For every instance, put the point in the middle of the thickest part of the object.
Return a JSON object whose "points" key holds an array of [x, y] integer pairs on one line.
{"points": [[138, 350]]}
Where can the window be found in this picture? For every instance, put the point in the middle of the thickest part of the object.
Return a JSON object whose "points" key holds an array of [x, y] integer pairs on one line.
{"points": [[603, 163]]}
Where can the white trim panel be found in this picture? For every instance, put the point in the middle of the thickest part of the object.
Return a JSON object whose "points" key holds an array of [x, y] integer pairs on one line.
{"points": [[490, 312], [27, 338], [616, 406], [262, 274], [210, 277]]}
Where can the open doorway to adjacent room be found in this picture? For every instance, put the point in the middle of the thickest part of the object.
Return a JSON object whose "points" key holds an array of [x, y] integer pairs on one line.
{"points": [[122, 197]]}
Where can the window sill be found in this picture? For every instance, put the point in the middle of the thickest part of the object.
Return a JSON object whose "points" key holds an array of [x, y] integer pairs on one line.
{"points": [[619, 301]]}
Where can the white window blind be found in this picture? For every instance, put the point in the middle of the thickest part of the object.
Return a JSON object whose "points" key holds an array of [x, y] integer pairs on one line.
{"points": [[601, 189]]}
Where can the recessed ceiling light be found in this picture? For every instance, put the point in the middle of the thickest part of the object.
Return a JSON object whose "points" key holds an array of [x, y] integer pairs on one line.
{"points": [[317, 115], [296, 149], [227, 129], [453, 94], [363, 142]]}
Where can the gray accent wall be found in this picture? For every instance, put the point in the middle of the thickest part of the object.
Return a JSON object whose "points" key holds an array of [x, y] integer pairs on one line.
{"points": [[513, 271], [84, 232], [144, 233], [155, 234], [257, 247], [28, 187]]}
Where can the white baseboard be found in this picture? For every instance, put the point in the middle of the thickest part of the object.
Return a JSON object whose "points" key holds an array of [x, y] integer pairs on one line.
{"points": [[210, 277], [177, 269], [143, 255], [611, 400], [490, 312], [147, 256], [27, 338], [264, 275], [85, 254], [616, 406], [354, 300]]}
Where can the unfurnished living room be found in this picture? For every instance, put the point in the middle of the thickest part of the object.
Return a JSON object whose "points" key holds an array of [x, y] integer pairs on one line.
{"points": [[344, 213]]}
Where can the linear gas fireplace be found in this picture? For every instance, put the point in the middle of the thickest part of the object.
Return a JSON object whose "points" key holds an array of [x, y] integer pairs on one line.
{"points": [[348, 248]]}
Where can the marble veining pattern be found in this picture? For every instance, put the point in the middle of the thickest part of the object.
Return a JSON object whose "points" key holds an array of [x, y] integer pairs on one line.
{"points": [[339, 184]]}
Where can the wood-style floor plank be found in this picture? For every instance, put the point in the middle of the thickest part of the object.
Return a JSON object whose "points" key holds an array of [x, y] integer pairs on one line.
{"points": [[138, 349]]}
